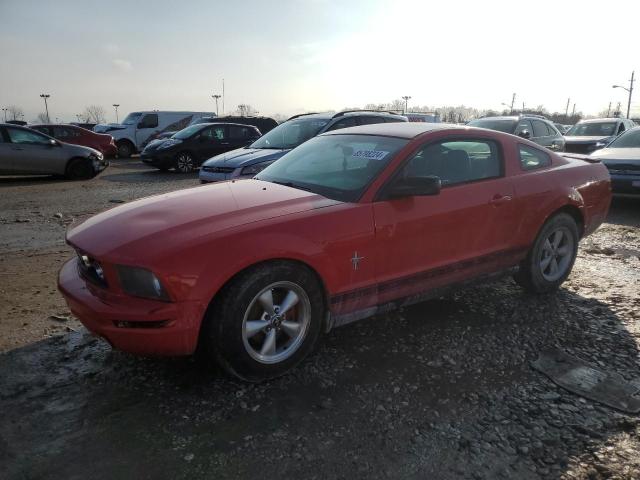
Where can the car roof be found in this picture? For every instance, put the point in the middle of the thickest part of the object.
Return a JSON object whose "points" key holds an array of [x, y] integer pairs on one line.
{"points": [[397, 129], [347, 113], [207, 124], [597, 120]]}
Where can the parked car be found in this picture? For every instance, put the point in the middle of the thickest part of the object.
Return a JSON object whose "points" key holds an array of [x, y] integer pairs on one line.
{"points": [[264, 124], [248, 161], [139, 128], [589, 135], [24, 151], [87, 126], [423, 117], [353, 222], [80, 136], [532, 127], [561, 128], [186, 150], [622, 159]]}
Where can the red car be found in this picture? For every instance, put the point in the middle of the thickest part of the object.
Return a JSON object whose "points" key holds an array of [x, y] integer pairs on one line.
{"points": [[351, 223], [80, 136]]}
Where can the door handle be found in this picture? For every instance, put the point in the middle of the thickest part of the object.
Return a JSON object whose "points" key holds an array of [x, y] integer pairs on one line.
{"points": [[498, 199]]}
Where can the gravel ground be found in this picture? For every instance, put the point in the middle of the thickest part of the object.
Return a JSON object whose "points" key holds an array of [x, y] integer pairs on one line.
{"points": [[443, 389]]}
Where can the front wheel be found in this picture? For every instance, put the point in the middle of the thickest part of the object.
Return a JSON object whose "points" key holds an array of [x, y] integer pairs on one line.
{"points": [[265, 321], [80, 169], [185, 163], [550, 260]]}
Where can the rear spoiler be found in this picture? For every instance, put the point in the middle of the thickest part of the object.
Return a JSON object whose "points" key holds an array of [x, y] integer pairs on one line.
{"points": [[577, 156]]}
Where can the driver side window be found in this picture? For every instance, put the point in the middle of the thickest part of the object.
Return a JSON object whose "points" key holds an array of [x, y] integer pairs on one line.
{"points": [[20, 136], [620, 128]]}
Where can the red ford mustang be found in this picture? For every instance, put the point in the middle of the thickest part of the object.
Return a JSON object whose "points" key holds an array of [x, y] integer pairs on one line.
{"points": [[351, 223], [80, 136]]}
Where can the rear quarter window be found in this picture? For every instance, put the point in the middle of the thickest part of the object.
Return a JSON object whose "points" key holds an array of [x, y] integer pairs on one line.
{"points": [[532, 158]]}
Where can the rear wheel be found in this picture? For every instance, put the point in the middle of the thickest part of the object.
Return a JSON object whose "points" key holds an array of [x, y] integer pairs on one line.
{"points": [[185, 163], [80, 169], [551, 258], [266, 321], [125, 149]]}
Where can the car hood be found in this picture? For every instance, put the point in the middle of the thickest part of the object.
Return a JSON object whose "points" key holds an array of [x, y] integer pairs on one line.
{"points": [[154, 145], [584, 140], [617, 154], [108, 127], [79, 150], [243, 157], [145, 229]]}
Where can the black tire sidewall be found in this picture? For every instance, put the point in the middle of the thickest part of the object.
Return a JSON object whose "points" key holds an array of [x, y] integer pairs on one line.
{"points": [[80, 169], [224, 324], [124, 145], [533, 277]]}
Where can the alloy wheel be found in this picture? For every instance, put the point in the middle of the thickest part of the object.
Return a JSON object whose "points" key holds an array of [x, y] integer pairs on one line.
{"points": [[556, 254], [276, 322], [185, 163]]}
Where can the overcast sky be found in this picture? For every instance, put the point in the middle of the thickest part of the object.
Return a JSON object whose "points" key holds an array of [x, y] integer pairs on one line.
{"points": [[288, 56]]}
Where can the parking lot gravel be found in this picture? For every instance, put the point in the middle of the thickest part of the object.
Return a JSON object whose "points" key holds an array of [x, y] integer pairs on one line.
{"points": [[441, 390]]}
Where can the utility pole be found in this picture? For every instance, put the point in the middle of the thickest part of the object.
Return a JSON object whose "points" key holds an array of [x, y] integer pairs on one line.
{"points": [[223, 96], [406, 99], [4, 111], [522, 107], [46, 107], [630, 90], [609, 111], [216, 97], [116, 105], [574, 110], [513, 99]]}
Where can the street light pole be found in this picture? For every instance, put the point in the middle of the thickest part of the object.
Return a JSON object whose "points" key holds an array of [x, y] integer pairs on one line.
{"points": [[513, 99], [46, 107], [4, 111], [406, 99], [216, 97], [630, 90], [116, 105], [566, 110]]}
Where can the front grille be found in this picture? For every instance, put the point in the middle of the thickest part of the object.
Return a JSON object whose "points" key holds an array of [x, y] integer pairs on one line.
{"points": [[218, 169], [88, 268], [579, 147]]}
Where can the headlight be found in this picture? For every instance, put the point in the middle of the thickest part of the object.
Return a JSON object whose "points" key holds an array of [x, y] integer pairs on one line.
{"points": [[141, 282], [169, 143], [257, 168]]}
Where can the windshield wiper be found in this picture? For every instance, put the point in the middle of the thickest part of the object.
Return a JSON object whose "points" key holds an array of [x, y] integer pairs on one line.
{"points": [[293, 185]]}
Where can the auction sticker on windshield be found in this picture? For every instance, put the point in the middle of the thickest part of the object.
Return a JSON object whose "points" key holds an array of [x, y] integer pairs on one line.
{"points": [[370, 154]]}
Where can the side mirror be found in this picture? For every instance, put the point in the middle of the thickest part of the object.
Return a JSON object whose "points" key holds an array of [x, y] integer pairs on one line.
{"points": [[53, 143], [415, 187], [525, 134]]}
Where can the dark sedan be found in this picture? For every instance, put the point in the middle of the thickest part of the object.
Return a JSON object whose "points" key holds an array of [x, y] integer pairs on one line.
{"points": [[189, 148], [622, 159]]}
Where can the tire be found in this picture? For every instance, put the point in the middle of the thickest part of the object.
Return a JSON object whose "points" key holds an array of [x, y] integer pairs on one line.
{"points": [[556, 244], [80, 169], [246, 340], [125, 149], [185, 163]]}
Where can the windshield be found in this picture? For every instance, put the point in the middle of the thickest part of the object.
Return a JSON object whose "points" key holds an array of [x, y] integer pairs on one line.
{"points": [[629, 139], [503, 125], [335, 166], [187, 132], [290, 134], [132, 118], [595, 129]]}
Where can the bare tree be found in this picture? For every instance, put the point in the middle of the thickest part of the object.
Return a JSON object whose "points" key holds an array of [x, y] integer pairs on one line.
{"points": [[94, 114], [42, 118], [15, 112]]}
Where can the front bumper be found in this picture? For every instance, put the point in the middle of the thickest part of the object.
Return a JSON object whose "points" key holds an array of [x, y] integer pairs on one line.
{"points": [[150, 327], [209, 174], [625, 184]]}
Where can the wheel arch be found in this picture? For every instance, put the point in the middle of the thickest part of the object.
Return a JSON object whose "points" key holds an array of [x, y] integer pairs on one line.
{"points": [[71, 160], [574, 212], [134, 149]]}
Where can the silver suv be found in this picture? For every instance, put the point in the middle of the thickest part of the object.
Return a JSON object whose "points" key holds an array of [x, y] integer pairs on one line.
{"points": [[532, 127]]}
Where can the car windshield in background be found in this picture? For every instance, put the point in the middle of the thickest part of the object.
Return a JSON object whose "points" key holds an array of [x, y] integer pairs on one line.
{"points": [[290, 134], [599, 129], [507, 126], [629, 139], [132, 118], [335, 166], [187, 132]]}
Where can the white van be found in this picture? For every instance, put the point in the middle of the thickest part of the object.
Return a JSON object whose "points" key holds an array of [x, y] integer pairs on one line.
{"points": [[140, 128]]}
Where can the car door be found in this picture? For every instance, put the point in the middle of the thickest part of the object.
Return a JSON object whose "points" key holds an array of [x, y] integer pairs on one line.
{"points": [[6, 153], [541, 134], [212, 141], [145, 128], [241, 136], [32, 152], [431, 241], [524, 129]]}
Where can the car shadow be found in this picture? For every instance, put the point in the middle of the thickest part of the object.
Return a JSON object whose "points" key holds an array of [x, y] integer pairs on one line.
{"points": [[426, 386], [148, 175]]}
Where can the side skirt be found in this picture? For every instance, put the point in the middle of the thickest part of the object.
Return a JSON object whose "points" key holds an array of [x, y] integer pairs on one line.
{"points": [[346, 318]]}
